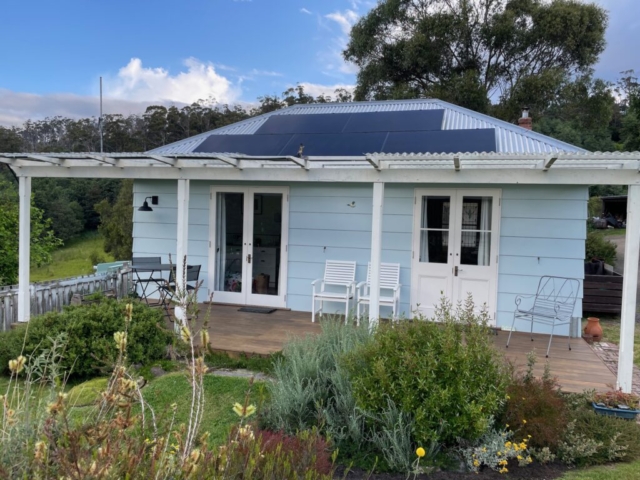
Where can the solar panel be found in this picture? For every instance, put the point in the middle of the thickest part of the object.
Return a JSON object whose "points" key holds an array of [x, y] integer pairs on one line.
{"points": [[341, 144], [312, 123], [405, 121], [445, 141], [269, 145]]}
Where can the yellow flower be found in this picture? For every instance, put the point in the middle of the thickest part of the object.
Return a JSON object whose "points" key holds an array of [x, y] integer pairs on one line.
{"points": [[528, 436], [499, 453], [17, 365], [503, 470], [508, 444], [529, 459], [185, 333], [506, 426], [484, 449], [508, 397], [503, 462], [519, 457], [476, 463], [244, 412], [420, 452], [204, 337], [524, 422]]}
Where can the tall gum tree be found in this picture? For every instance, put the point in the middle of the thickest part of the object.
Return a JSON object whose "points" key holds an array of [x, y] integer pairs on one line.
{"points": [[474, 52]]}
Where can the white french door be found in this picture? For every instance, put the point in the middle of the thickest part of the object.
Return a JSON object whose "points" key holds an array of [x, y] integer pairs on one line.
{"points": [[456, 235], [248, 245]]}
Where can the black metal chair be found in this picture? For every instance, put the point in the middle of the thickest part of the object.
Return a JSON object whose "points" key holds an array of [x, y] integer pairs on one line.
{"points": [[553, 304], [168, 290], [146, 262]]}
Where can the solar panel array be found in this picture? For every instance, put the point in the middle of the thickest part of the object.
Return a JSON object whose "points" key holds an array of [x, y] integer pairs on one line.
{"points": [[416, 131]]}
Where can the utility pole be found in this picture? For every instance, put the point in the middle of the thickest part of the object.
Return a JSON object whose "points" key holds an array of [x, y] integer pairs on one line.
{"points": [[100, 119]]}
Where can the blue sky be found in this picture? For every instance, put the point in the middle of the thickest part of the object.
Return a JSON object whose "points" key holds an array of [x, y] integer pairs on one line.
{"points": [[179, 51]]}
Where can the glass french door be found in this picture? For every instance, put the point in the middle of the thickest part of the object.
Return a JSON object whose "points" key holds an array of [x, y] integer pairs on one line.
{"points": [[248, 245], [455, 248]]}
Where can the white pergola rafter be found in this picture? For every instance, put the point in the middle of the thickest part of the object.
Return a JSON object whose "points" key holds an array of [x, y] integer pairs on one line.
{"points": [[164, 160]]}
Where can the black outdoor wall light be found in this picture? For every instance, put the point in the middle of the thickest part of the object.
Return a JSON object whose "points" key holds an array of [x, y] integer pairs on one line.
{"points": [[145, 205]]}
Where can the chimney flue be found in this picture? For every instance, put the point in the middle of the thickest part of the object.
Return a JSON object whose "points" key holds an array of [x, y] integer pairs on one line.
{"points": [[525, 121]]}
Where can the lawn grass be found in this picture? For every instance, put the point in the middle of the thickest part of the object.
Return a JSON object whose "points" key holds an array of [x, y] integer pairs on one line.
{"points": [[619, 471], [255, 363], [73, 259], [611, 232], [220, 395]]}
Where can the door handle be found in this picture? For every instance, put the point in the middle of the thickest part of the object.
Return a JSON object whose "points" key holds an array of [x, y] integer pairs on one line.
{"points": [[455, 271], [249, 258]]}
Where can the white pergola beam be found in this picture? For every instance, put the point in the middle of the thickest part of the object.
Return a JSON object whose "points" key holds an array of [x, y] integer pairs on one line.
{"points": [[165, 160], [548, 163], [45, 158], [234, 162], [456, 163], [105, 159], [376, 253], [374, 162], [301, 162], [629, 290], [24, 249]]}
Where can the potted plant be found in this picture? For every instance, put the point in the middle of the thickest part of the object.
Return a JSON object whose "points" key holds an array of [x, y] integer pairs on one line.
{"points": [[617, 404]]}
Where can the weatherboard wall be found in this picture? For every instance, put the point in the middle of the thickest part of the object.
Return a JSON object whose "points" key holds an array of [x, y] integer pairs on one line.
{"points": [[542, 233]]}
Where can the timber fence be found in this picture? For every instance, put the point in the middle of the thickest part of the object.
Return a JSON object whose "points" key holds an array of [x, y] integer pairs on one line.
{"points": [[52, 296]]}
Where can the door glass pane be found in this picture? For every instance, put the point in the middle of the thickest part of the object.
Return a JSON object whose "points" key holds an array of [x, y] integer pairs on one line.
{"points": [[434, 229], [475, 240], [267, 239], [229, 230]]}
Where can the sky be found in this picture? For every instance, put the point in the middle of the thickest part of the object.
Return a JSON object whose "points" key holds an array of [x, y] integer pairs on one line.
{"points": [[180, 51]]}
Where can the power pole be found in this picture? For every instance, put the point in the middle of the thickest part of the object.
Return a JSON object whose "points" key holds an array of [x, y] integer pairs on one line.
{"points": [[100, 119]]}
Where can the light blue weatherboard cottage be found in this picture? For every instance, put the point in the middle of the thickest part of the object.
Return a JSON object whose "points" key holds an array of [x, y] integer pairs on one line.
{"points": [[263, 242]]}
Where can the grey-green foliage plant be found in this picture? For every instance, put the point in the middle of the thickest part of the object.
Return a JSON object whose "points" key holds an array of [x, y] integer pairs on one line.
{"points": [[392, 437], [311, 387], [445, 370]]}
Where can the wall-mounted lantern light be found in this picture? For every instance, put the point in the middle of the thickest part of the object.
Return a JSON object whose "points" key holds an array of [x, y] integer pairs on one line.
{"points": [[145, 205]]}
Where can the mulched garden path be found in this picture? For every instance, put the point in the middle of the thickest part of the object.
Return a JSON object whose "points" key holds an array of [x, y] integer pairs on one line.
{"points": [[535, 471]]}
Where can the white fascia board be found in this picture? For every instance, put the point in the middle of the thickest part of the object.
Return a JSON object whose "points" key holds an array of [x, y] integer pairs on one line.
{"points": [[555, 176]]}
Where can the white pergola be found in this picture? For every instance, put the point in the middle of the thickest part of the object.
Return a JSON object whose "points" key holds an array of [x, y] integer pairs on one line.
{"points": [[376, 169]]}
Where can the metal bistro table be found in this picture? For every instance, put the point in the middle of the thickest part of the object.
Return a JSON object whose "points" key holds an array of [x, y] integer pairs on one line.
{"points": [[151, 269]]}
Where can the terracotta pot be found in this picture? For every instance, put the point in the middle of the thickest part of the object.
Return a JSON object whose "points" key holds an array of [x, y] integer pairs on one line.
{"points": [[593, 328]]}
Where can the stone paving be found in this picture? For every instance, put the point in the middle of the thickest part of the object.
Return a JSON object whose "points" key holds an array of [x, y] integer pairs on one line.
{"points": [[608, 353]]}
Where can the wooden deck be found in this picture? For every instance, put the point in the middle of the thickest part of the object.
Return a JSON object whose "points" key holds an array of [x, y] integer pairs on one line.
{"points": [[253, 333]]}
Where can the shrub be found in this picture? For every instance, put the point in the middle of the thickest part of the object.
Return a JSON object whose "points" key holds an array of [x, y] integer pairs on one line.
{"points": [[592, 439], [599, 247], [442, 371], [90, 347], [535, 407]]}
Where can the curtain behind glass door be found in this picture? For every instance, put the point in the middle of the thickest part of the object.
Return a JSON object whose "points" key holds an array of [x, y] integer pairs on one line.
{"points": [[229, 232]]}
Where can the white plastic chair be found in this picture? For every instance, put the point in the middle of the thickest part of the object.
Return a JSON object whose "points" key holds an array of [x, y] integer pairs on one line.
{"points": [[340, 277], [389, 281]]}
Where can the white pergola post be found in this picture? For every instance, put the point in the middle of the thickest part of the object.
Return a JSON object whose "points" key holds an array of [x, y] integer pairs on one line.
{"points": [[376, 252], [183, 238], [629, 290], [24, 249]]}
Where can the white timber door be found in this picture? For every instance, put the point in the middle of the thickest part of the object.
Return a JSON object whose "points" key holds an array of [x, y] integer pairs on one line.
{"points": [[248, 247], [455, 248]]}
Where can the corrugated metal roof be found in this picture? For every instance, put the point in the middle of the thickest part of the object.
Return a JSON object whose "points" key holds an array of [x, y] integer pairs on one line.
{"points": [[510, 138]]}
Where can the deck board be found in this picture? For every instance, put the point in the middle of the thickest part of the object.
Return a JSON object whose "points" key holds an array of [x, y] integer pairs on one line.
{"points": [[252, 333]]}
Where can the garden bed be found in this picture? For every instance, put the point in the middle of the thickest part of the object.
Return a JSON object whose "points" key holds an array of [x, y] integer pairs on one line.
{"points": [[535, 471]]}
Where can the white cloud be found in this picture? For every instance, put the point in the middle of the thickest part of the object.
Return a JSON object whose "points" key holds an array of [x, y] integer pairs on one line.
{"points": [[135, 82], [17, 107], [345, 19], [316, 89], [265, 73], [304, 10]]}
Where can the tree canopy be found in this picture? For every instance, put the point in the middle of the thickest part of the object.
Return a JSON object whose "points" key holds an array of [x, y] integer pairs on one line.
{"points": [[471, 52]]}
